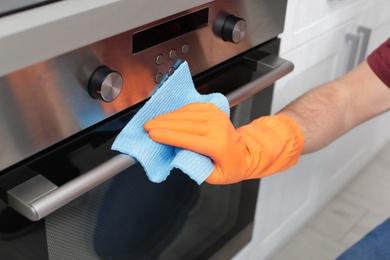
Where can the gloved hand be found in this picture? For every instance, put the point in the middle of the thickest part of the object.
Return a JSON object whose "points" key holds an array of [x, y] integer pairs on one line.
{"points": [[267, 145]]}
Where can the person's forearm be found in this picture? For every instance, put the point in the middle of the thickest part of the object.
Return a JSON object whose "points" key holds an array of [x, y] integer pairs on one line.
{"points": [[328, 111], [316, 113]]}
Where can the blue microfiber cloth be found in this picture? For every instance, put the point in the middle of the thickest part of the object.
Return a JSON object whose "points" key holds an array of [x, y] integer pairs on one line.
{"points": [[158, 159]]}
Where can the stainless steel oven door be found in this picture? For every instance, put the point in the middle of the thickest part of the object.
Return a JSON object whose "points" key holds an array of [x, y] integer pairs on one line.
{"points": [[83, 209]]}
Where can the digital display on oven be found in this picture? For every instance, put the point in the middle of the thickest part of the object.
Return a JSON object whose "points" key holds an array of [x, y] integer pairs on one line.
{"points": [[166, 31]]}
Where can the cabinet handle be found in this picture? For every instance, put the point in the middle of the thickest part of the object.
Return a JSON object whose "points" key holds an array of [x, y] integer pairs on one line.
{"points": [[354, 39], [366, 36]]}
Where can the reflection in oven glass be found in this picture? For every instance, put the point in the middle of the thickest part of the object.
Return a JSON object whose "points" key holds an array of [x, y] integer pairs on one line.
{"points": [[130, 217]]}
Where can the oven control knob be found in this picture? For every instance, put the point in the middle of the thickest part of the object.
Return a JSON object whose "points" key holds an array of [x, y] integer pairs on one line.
{"points": [[105, 84], [233, 29]]}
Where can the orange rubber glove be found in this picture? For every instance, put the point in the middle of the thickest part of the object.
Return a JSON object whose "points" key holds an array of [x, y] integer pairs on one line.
{"points": [[267, 145]]}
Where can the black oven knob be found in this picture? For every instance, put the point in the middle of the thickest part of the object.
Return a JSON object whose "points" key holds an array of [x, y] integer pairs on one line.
{"points": [[233, 29], [105, 84]]}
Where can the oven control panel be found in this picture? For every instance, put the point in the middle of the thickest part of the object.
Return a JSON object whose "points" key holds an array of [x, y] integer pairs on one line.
{"points": [[204, 36], [106, 84]]}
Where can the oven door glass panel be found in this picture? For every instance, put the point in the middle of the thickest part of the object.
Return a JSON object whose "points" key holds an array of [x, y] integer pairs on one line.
{"points": [[128, 217], [21, 238]]}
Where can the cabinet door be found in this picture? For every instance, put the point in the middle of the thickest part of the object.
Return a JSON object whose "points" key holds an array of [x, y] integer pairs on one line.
{"points": [[286, 200], [308, 19], [376, 21], [341, 160]]}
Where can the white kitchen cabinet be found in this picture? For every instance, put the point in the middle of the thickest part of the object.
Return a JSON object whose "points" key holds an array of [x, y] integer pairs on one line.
{"points": [[315, 40], [377, 20], [307, 19], [342, 159]]}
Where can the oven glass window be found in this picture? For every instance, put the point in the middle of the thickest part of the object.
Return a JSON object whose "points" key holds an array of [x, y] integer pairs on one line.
{"points": [[127, 217], [130, 217]]}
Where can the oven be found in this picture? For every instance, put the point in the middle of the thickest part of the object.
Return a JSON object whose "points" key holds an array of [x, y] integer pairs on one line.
{"points": [[66, 195]]}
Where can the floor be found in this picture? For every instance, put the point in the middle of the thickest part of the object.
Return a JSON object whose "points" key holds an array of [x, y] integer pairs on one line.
{"points": [[361, 206]]}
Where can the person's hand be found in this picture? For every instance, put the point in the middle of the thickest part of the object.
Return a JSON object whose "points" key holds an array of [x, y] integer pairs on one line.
{"points": [[265, 146]]}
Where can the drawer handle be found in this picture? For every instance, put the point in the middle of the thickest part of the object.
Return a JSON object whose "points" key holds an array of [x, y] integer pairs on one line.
{"points": [[366, 32], [354, 39]]}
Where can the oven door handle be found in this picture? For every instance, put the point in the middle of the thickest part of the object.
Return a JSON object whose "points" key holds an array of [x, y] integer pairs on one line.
{"points": [[38, 197], [271, 67]]}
